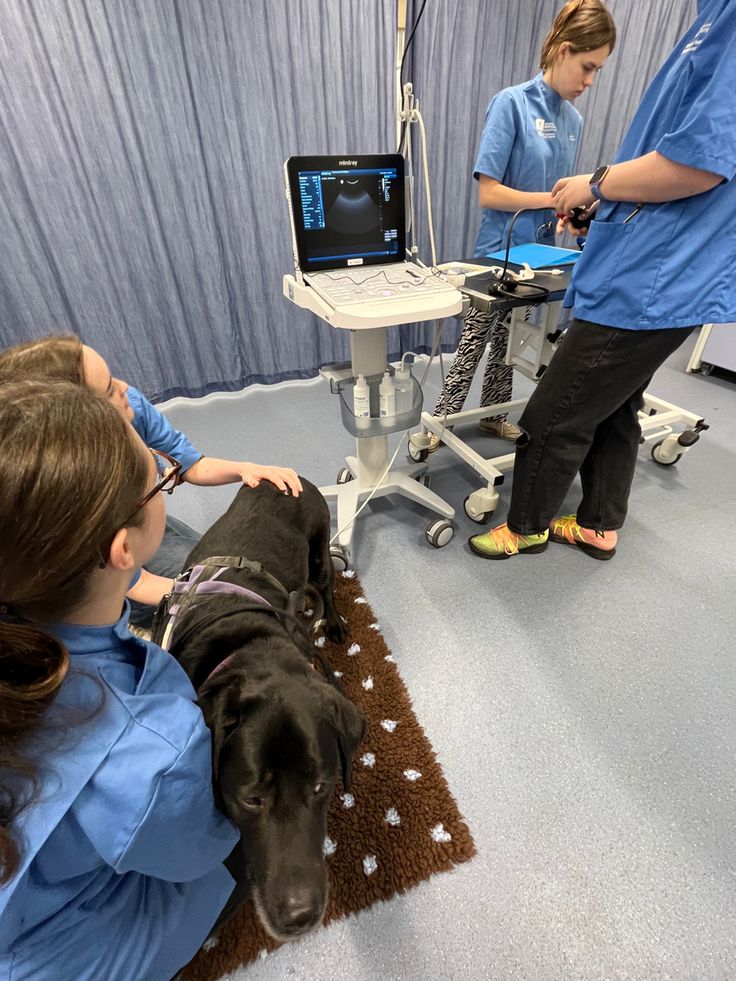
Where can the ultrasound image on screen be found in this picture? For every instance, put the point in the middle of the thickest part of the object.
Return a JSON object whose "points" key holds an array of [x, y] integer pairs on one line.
{"points": [[354, 211], [349, 215]]}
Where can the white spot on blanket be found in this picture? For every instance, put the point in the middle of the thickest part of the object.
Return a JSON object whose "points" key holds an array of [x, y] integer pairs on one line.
{"points": [[389, 724], [412, 775], [392, 817], [440, 835], [328, 847], [367, 683], [348, 801], [368, 759], [370, 864], [319, 642], [374, 626], [210, 942], [353, 650], [337, 674], [389, 657], [348, 574], [361, 600]]}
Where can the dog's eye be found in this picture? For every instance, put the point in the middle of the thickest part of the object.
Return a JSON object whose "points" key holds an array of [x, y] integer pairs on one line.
{"points": [[253, 802], [319, 788]]}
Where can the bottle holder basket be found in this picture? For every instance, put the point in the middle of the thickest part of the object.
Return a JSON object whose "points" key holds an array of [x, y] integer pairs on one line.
{"points": [[375, 426]]}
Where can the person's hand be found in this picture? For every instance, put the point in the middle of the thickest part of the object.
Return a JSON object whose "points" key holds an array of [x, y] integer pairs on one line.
{"points": [[572, 192], [284, 478]]}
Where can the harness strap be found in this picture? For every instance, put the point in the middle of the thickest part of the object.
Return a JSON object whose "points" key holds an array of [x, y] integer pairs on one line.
{"points": [[203, 580]]}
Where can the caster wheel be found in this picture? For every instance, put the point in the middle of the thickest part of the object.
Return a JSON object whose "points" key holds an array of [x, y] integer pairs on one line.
{"points": [[661, 455], [480, 517], [418, 456], [340, 558], [705, 368], [344, 476], [439, 532], [423, 479]]}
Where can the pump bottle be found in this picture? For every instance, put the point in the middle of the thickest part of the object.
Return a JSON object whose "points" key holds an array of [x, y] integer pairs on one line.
{"points": [[387, 397], [404, 389], [361, 399]]}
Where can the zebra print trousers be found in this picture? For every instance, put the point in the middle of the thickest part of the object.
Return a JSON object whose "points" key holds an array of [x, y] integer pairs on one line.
{"points": [[480, 328]]}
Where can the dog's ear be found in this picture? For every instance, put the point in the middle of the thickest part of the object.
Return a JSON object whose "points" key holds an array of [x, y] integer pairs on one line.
{"points": [[349, 726], [224, 702]]}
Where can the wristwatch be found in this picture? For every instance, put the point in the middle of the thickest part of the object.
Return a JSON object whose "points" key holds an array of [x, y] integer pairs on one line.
{"points": [[596, 180]]}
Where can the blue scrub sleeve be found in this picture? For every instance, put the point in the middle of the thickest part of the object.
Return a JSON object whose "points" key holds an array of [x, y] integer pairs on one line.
{"points": [[497, 139], [157, 432], [706, 135], [150, 807]]}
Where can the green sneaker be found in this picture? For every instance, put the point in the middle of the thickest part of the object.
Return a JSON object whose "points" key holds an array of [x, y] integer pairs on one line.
{"points": [[502, 543], [599, 544]]}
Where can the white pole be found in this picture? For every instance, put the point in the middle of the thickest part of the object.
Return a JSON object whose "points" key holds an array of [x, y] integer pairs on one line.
{"points": [[400, 38]]}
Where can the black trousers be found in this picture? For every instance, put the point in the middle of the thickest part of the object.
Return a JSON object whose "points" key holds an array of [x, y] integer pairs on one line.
{"points": [[583, 418]]}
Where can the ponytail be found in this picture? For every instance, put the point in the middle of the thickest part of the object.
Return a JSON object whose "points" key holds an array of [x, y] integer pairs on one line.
{"points": [[32, 667]]}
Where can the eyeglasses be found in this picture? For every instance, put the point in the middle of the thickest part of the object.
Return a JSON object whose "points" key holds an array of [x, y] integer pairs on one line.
{"points": [[169, 470], [170, 477]]}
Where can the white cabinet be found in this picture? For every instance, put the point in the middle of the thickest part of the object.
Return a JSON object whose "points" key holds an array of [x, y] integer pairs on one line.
{"points": [[715, 348]]}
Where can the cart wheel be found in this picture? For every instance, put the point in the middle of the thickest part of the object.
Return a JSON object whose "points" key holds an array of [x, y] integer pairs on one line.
{"points": [[344, 476], [480, 517], [439, 532], [340, 558], [423, 479], [418, 456], [661, 455], [705, 368]]}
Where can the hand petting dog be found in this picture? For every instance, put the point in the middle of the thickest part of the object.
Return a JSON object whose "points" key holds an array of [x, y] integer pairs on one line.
{"points": [[210, 471]]}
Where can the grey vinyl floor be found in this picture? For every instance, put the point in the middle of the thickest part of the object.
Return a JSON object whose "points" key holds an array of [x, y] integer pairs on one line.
{"points": [[583, 711]]}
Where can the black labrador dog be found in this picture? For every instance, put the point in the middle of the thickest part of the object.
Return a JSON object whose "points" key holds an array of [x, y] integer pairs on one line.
{"points": [[280, 732]]}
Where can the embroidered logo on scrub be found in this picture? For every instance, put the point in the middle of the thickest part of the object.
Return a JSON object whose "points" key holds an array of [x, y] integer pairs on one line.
{"points": [[697, 40], [548, 131]]}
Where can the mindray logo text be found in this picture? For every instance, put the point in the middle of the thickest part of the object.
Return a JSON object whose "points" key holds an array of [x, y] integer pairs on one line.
{"points": [[348, 163]]}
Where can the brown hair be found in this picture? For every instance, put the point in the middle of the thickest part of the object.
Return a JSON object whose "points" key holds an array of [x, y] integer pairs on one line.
{"points": [[56, 358], [584, 24], [70, 477]]}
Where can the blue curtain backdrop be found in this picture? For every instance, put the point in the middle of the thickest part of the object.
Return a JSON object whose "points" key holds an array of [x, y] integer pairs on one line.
{"points": [[141, 152]]}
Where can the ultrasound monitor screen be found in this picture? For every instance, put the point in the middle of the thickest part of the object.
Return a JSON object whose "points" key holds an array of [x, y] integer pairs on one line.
{"points": [[347, 211]]}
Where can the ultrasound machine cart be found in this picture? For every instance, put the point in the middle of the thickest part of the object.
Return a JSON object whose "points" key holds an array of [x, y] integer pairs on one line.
{"points": [[360, 282]]}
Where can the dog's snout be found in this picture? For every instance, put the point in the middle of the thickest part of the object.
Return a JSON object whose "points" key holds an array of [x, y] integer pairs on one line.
{"points": [[302, 911]]}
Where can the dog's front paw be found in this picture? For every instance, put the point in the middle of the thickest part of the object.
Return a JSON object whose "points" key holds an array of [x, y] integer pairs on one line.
{"points": [[336, 630]]}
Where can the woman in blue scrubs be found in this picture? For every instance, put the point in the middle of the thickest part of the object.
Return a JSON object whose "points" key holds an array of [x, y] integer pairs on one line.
{"points": [[64, 357], [111, 847], [660, 259], [530, 140]]}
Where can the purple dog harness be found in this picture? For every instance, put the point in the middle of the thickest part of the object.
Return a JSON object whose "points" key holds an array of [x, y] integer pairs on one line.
{"points": [[192, 588], [203, 580]]}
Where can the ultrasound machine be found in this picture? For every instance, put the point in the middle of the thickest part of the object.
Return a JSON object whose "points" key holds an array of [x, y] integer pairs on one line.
{"points": [[348, 223]]}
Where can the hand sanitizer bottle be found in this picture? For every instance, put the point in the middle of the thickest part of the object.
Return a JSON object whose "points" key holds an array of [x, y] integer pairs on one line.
{"points": [[404, 386], [387, 397]]}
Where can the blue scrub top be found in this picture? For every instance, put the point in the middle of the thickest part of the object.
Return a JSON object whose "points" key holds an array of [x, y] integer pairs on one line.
{"points": [[157, 432], [121, 870], [530, 140], [673, 264]]}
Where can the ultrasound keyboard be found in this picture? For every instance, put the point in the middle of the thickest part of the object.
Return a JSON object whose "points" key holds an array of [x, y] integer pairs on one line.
{"points": [[343, 287]]}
